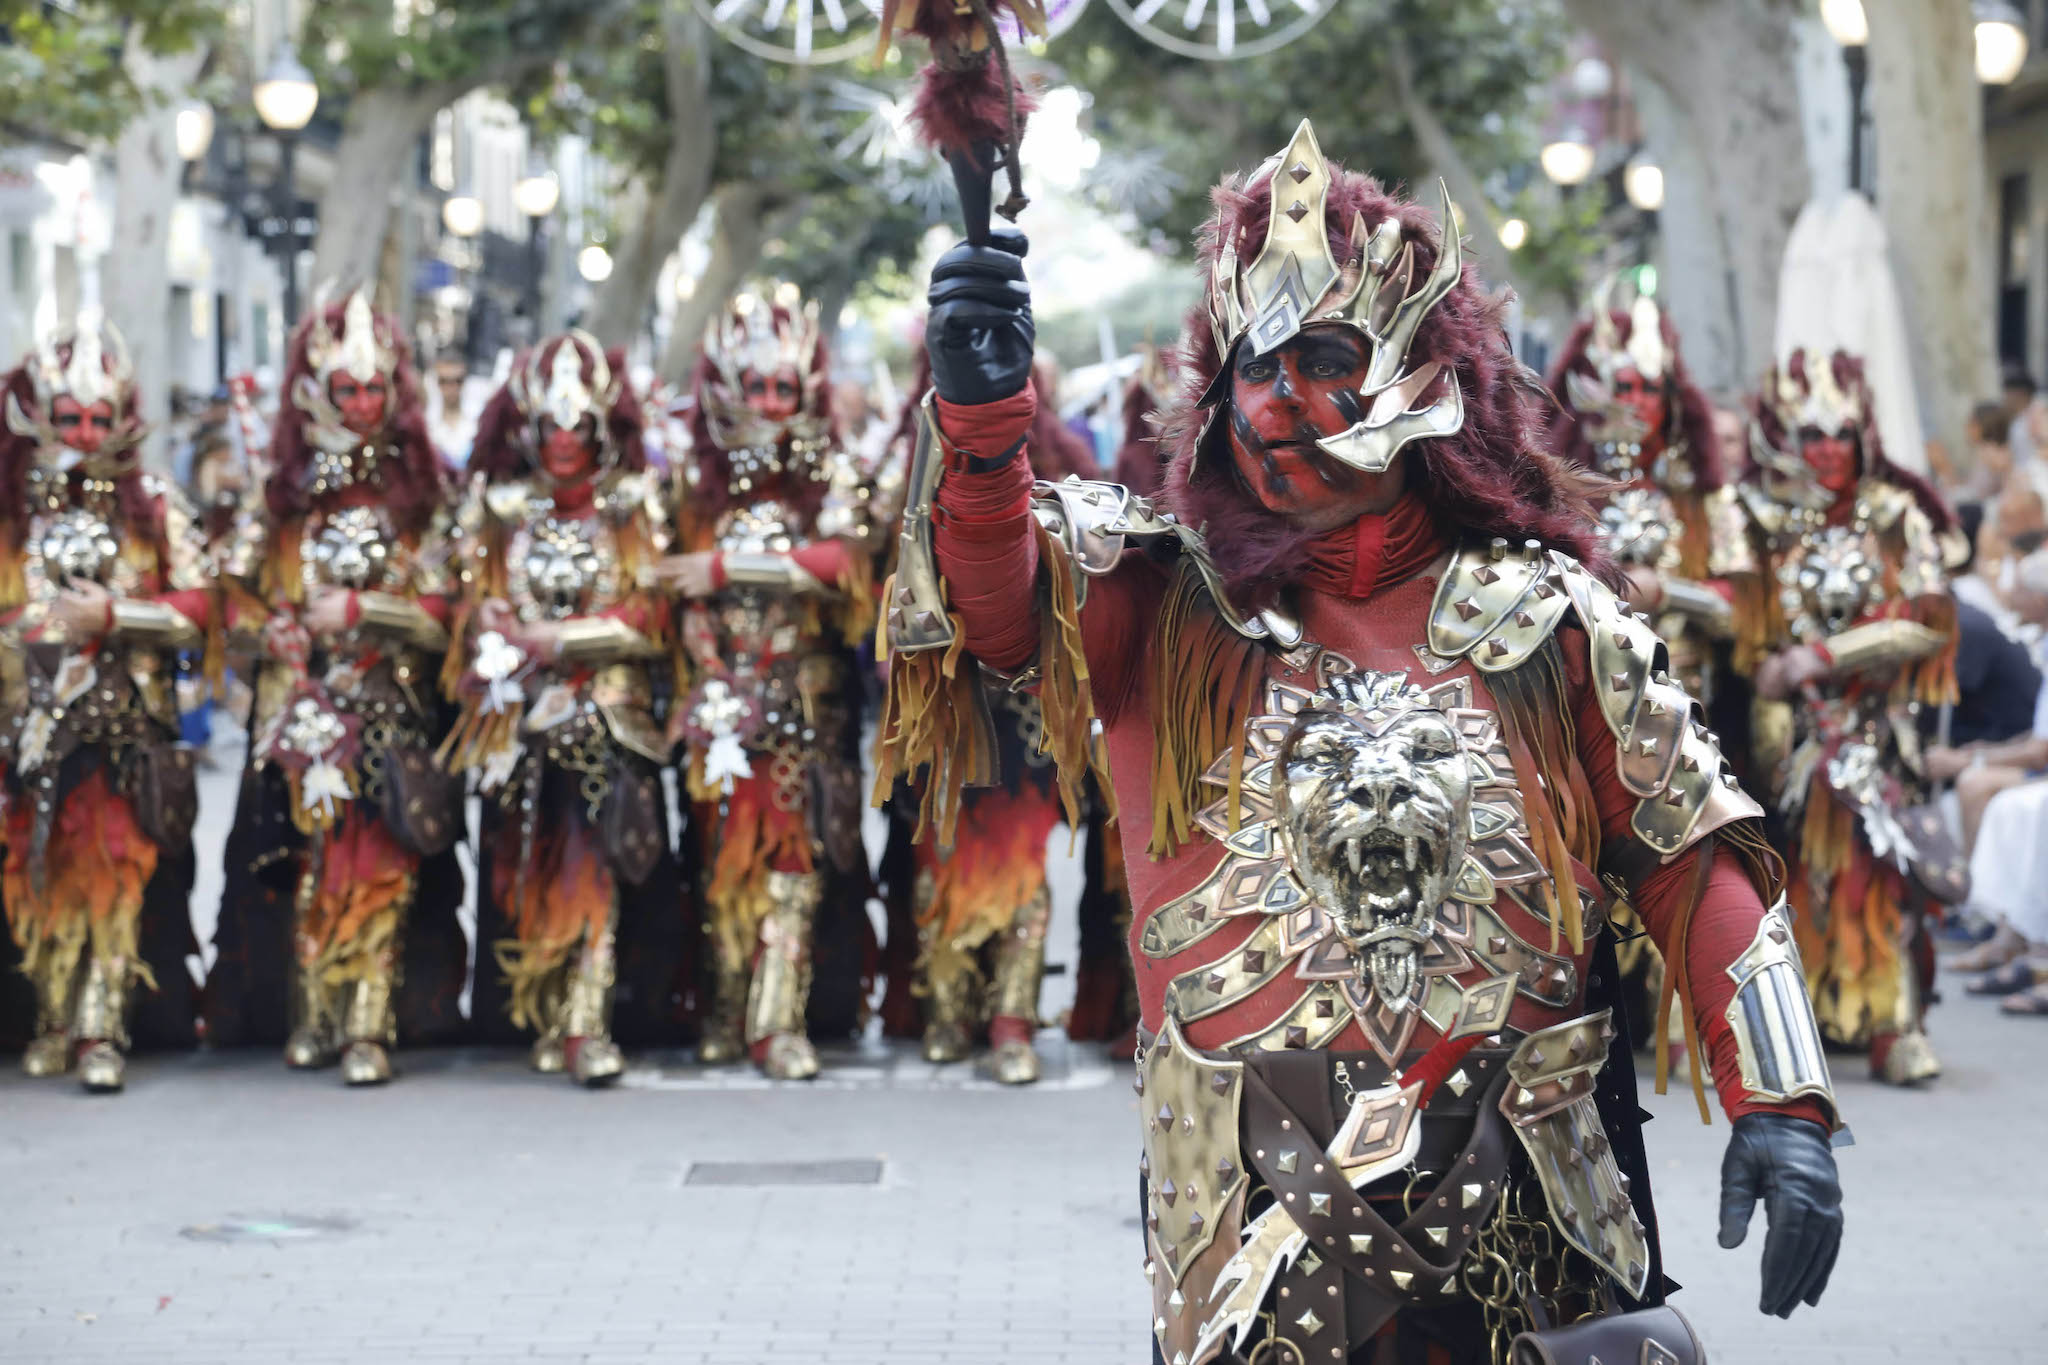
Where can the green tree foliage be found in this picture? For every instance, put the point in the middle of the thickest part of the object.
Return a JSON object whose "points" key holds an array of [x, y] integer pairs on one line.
{"points": [[1478, 63], [61, 68], [362, 45]]}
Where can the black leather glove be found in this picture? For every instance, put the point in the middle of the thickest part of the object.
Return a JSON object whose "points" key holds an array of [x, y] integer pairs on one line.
{"points": [[979, 331], [1788, 1163]]}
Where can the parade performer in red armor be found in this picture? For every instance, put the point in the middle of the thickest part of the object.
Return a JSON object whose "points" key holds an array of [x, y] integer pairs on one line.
{"points": [[1845, 626], [561, 635], [775, 576], [102, 581], [1385, 747], [342, 885]]}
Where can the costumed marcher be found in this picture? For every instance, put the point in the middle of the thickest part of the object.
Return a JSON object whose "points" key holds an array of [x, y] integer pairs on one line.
{"points": [[1384, 745], [1138, 463], [979, 904], [102, 583], [1845, 627], [775, 578], [1628, 410], [339, 913], [559, 631]]}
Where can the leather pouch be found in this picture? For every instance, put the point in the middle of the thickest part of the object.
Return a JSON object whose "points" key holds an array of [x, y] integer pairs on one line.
{"points": [[166, 794], [422, 801], [1649, 1336], [632, 822]]}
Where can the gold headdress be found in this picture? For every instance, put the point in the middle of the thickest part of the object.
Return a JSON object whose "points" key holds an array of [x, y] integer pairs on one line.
{"points": [[98, 370], [1645, 352], [1801, 393], [562, 395], [365, 350], [1296, 282], [753, 334]]}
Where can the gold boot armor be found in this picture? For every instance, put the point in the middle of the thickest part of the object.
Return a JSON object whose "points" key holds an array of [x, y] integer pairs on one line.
{"points": [[101, 1027], [1019, 968], [721, 1043], [369, 1026], [49, 1053], [312, 1041], [593, 1058], [782, 978], [949, 979]]}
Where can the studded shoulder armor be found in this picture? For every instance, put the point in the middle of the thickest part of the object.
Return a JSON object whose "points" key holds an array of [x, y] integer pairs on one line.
{"points": [[1496, 606]]}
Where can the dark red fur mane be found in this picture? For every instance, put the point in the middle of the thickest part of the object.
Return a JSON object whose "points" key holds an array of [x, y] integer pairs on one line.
{"points": [[18, 457], [1849, 375], [1137, 457], [413, 485], [1493, 478], [503, 448], [1690, 416]]}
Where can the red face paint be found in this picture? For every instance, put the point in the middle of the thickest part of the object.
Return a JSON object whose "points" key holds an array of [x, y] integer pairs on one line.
{"points": [[1832, 459], [1646, 399], [84, 429], [777, 396], [567, 455], [362, 402], [1281, 404]]}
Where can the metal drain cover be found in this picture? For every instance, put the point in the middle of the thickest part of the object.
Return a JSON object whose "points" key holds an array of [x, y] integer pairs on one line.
{"points": [[856, 1171], [284, 1227]]}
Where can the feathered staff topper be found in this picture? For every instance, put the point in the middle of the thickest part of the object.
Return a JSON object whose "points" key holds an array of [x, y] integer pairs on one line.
{"points": [[969, 107]]}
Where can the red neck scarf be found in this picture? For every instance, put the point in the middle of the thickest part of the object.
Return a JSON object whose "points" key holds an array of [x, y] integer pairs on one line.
{"points": [[1378, 550]]}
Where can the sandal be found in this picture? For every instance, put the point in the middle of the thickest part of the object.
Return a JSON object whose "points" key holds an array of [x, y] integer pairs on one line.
{"points": [[2033, 1001], [2010, 979]]}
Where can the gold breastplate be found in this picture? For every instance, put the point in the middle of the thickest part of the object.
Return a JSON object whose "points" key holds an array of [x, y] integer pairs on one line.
{"points": [[558, 567], [352, 547]]}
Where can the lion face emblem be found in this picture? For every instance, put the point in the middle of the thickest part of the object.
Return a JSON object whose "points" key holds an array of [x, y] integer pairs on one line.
{"points": [[1373, 807]]}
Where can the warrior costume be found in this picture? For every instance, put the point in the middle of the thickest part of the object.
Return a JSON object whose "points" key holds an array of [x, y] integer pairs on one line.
{"points": [[100, 798], [1628, 410], [345, 829], [771, 694], [1376, 788], [559, 729], [1855, 577]]}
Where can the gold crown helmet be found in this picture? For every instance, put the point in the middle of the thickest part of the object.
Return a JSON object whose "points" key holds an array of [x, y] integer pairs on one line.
{"points": [[1801, 392], [561, 394], [98, 370], [365, 350], [1295, 282], [1645, 352], [755, 334]]}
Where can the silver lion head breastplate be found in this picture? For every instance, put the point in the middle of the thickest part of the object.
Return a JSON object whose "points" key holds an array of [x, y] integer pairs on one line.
{"points": [[762, 527], [353, 548], [77, 544], [1636, 525], [1830, 582], [560, 569]]}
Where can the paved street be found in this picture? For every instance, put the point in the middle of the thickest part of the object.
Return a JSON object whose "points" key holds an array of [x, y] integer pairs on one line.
{"points": [[225, 1210]]}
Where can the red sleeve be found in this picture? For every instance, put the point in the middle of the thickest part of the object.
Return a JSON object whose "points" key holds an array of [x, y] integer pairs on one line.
{"points": [[981, 532], [1720, 927], [633, 613], [828, 561], [194, 604], [435, 605]]}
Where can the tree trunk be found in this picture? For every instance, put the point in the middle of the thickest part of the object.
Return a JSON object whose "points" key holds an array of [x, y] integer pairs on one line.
{"points": [[135, 276], [371, 163], [1730, 69], [1482, 224], [675, 198], [1934, 199], [1693, 280], [744, 223]]}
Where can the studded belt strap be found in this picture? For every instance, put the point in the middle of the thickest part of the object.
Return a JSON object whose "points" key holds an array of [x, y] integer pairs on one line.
{"points": [[1416, 1263]]}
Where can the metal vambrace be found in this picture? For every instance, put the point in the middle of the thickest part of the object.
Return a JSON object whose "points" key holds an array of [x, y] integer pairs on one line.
{"points": [[1777, 1041]]}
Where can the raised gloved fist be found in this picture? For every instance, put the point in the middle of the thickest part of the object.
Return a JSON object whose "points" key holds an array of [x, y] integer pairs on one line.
{"points": [[1788, 1163], [979, 330]]}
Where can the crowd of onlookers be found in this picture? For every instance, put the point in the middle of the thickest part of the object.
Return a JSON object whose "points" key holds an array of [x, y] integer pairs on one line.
{"points": [[1993, 744]]}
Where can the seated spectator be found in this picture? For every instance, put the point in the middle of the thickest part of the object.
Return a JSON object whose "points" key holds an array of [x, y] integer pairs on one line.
{"points": [[2026, 416]]}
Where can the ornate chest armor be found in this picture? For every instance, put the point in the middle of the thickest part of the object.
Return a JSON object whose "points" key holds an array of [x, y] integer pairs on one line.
{"points": [[558, 567], [1638, 525], [352, 547]]}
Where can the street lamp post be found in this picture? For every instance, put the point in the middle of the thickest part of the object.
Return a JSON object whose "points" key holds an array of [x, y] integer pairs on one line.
{"points": [[1850, 28], [536, 195], [285, 100]]}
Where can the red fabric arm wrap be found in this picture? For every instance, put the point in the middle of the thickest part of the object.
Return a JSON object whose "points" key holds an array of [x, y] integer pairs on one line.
{"points": [[194, 604], [633, 613], [985, 431], [828, 561], [981, 532], [435, 605]]}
